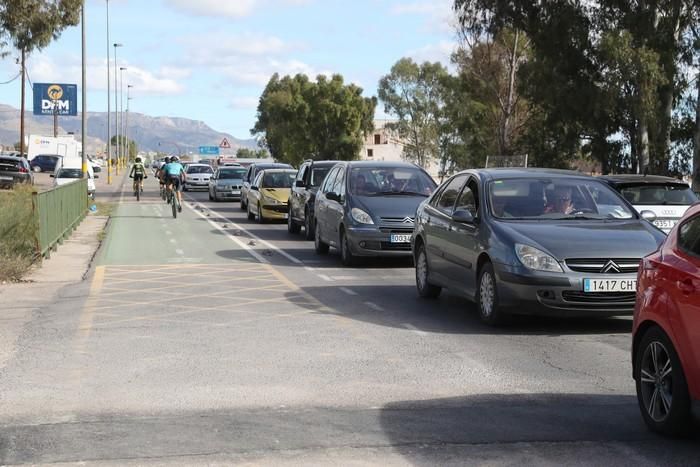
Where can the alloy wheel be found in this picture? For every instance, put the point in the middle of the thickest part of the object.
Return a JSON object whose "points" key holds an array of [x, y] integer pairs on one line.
{"points": [[656, 378]]}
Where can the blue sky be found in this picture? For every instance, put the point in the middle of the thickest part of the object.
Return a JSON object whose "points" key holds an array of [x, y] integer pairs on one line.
{"points": [[210, 59]]}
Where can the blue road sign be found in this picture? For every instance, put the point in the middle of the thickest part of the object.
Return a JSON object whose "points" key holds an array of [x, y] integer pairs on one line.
{"points": [[54, 98], [209, 150]]}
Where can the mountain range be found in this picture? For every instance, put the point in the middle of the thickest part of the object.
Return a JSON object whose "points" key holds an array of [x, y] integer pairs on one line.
{"points": [[162, 134]]}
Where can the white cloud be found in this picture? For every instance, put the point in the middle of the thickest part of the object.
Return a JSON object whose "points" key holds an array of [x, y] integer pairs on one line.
{"points": [[166, 81], [440, 16], [229, 8], [220, 48], [244, 103], [258, 72], [438, 52]]}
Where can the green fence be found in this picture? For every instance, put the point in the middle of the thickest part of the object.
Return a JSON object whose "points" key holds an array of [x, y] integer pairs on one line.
{"points": [[58, 212]]}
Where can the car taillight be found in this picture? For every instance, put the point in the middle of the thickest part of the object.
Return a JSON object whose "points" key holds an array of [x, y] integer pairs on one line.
{"points": [[22, 170]]}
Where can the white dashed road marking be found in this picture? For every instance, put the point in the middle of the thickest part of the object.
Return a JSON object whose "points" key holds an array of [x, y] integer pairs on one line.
{"points": [[374, 306], [347, 291], [414, 329]]}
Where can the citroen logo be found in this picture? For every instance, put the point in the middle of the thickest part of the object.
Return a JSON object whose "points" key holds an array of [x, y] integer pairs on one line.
{"points": [[408, 220], [610, 266]]}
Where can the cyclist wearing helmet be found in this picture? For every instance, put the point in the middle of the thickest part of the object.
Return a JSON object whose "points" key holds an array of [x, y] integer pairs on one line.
{"points": [[160, 173], [174, 173], [138, 173]]}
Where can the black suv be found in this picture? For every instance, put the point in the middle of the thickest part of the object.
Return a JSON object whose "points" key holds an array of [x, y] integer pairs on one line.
{"points": [[14, 170], [301, 200]]}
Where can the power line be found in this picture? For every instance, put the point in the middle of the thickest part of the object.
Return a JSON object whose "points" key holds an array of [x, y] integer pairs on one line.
{"points": [[13, 79]]}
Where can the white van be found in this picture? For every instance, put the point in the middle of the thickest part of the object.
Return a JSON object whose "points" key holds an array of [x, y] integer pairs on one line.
{"points": [[64, 145], [70, 169]]}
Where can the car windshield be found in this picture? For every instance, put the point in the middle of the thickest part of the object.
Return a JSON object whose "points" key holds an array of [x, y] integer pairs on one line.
{"points": [[318, 174], [661, 194], [199, 169], [230, 174], [555, 199], [379, 181], [69, 173], [278, 179]]}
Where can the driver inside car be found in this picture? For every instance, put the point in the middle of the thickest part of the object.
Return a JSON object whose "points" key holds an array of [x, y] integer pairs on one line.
{"points": [[561, 201]]}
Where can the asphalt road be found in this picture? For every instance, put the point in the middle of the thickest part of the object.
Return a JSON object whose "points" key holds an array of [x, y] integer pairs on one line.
{"points": [[210, 339]]}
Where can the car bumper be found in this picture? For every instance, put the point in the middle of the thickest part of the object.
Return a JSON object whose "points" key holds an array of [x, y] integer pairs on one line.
{"points": [[197, 185], [276, 211], [228, 194], [524, 292], [373, 242], [9, 179]]}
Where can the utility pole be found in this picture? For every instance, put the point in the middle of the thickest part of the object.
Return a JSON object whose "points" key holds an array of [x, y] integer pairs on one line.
{"points": [[116, 104], [128, 144], [21, 117], [121, 115], [109, 110], [83, 123]]}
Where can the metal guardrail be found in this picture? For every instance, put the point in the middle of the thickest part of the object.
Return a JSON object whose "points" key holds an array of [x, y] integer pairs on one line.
{"points": [[58, 212]]}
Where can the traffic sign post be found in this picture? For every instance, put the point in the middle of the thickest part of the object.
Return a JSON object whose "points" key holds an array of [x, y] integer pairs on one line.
{"points": [[225, 144], [209, 150]]}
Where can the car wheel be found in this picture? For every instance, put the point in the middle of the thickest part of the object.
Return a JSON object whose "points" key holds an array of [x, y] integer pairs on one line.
{"points": [[243, 206], [308, 226], [662, 390], [425, 288], [320, 246], [346, 256], [487, 297], [292, 226], [261, 219], [210, 197], [216, 198], [251, 216], [36, 168]]}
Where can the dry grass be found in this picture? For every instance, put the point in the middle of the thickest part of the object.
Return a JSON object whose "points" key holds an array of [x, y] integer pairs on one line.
{"points": [[18, 230]]}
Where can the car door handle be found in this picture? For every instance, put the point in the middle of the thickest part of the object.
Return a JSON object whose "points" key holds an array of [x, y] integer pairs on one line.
{"points": [[686, 286]]}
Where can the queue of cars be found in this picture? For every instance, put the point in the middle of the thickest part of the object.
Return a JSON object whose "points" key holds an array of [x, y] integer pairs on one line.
{"points": [[516, 241]]}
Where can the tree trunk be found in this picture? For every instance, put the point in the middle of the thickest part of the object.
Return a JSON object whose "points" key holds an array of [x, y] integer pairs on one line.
{"points": [[21, 108], [643, 145], [510, 101], [696, 140]]}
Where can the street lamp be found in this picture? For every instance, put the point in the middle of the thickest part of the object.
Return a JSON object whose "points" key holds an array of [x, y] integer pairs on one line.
{"points": [[126, 131], [121, 114], [109, 110], [116, 104]]}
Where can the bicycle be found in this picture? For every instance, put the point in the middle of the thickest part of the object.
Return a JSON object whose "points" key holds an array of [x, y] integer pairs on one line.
{"points": [[138, 189], [173, 201]]}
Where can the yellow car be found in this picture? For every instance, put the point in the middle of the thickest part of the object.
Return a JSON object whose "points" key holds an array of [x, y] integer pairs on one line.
{"points": [[269, 194]]}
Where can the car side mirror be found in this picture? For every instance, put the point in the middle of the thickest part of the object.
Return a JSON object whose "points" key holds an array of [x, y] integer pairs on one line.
{"points": [[254, 188], [647, 215], [300, 184], [52, 176], [463, 216], [333, 196]]}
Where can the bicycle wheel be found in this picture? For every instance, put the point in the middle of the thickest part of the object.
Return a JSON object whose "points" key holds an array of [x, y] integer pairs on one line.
{"points": [[174, 206], [138, 193]]}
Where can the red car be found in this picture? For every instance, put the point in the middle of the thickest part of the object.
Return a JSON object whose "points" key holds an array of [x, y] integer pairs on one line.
{"points": [[666, 345]]}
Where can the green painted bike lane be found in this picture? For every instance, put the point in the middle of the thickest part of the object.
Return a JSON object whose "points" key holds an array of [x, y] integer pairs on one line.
{"points": [[145, 233]]}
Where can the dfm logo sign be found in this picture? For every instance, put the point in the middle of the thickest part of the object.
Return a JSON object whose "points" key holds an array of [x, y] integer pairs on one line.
{"points": [[55, 99]]}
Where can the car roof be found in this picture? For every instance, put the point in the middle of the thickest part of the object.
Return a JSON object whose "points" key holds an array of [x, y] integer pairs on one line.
{"points": [[322, 163], [524, 172], [379, 164], [270, 165], [12, 158], [196, 163], [635, 179], [278, 170]]}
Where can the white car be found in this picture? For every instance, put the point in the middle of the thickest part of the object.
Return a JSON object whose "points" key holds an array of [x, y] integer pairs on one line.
{"points": [[668, 198], [70, 170], [197, 177]]}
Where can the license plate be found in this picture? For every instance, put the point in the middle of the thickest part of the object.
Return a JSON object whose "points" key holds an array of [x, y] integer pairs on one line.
{"points": [[6, 178], [664, 224], [400, 238], [609, 285], [236, 192]]}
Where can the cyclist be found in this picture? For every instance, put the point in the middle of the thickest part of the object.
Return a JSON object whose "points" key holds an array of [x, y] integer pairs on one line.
{"points": [[160, 173], [174, 173], [138, 173]]}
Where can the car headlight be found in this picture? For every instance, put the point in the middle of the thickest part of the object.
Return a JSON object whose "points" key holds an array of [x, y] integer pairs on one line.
{"points": [[535, 259], [269, 200], [361, 217]]}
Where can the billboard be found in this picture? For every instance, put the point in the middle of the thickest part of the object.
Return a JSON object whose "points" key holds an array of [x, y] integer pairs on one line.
{"points": [[209, 150], [53, 98]]}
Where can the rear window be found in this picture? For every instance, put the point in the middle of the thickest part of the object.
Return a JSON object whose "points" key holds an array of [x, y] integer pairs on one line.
{"points": [[69, 173], [199, 169], [661, 194], [9, 164]]}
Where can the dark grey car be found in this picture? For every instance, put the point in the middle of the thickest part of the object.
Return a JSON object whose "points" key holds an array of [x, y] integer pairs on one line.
{"points": [[14, 170], [368, 208], [531, 241]]}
